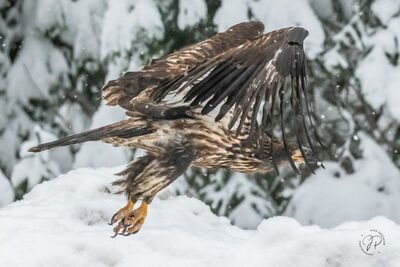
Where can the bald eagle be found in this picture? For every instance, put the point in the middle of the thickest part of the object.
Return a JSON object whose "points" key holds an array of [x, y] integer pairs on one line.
{"points": [[198, 107]]}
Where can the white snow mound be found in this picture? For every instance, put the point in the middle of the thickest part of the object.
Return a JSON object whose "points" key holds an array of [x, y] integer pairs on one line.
{"points": [[63, 222]]}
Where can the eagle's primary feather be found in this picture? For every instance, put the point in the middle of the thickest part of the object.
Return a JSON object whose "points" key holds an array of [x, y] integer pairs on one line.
{"points": [[198, 106]]}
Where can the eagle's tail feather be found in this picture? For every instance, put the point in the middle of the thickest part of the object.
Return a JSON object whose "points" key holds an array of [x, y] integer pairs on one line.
{"points": [[122, 129]]}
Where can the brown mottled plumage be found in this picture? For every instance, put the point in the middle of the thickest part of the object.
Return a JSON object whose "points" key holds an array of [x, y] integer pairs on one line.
{"points": [[198, 107]]}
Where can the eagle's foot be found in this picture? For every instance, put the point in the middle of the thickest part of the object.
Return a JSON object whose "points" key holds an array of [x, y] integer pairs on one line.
{"points": [[122, 212], [130, 220]]}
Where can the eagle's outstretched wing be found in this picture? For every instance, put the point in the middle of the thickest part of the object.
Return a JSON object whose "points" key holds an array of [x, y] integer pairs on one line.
{"points": [[167, 68], [235, 70], [270, 68]]}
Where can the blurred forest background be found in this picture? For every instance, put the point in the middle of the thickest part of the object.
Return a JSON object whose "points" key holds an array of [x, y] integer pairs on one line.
{"points": [[56, 54]]}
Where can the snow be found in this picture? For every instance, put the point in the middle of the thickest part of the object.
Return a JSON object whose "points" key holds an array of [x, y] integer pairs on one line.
{"points": [[82, 21], [349, 7], [379, 77], [127, 26], [191, 12], [7, 193], [38, 65], [41, 66], [324, 8], [33, 167], [291, 13], [9, 144], [385, 9], [333, 58], [374, 189], [63, 222], [249, 213]]}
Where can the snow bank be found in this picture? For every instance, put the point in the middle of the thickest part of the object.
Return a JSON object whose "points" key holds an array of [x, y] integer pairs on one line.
{"points": [[63, 222]]}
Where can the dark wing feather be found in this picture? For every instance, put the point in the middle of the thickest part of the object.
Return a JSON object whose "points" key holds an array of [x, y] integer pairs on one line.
{"points": [[164, 71], [240, 78]]}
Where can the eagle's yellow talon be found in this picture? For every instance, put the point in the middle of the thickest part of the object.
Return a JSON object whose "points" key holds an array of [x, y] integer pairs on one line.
{"points": [[122, 212], [136, 227], [130, 221], [117, 229]]}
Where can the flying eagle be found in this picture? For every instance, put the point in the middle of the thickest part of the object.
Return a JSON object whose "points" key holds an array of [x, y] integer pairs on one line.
{"points": [[198, 107]]}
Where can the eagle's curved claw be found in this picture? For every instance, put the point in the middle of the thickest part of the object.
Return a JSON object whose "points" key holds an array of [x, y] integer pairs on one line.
{"points": [[112, 219], [130, 220], [113, 236], [122, 212]]}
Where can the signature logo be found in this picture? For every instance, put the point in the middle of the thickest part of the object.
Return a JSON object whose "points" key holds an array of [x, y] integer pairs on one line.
{"points": [[372, 242]]}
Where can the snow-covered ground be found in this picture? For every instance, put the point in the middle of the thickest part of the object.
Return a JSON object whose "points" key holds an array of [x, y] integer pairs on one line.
{"points": [[63, 222]]}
